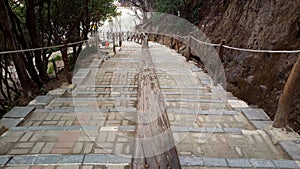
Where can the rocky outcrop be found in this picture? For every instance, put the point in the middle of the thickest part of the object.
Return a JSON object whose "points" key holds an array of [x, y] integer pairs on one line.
{"points": [[256, 24]]}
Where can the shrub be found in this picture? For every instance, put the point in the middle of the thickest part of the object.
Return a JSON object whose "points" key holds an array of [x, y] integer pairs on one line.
{"points": [[50, 69]]}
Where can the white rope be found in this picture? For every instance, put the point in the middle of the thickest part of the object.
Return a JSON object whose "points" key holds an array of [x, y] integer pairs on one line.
{"points": [[234, 48], [75, 43], [260, 51], [43, 48], [205, 43]]}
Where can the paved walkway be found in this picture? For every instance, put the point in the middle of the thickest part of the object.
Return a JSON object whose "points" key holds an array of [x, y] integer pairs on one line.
{"points": [[91, 123]]}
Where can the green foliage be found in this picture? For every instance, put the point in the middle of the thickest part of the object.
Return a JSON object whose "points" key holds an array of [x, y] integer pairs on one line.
{"points": [[195, 17], [50, 69], [19, 9], [66, 14], [49, 51], [43, 91], [71, 61], [168, 6], [189, 9], [56, 58]]}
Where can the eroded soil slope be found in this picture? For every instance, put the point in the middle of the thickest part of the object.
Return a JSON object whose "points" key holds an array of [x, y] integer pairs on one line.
{"points": [[257, 24]]}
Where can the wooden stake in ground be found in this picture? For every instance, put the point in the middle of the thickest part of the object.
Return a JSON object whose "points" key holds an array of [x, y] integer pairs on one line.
{"points": [[154, 146], [283, 110]]}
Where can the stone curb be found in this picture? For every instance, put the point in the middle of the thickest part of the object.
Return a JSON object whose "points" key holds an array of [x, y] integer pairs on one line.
{"points": [[102, 159], [14, 117], [261, 121]]}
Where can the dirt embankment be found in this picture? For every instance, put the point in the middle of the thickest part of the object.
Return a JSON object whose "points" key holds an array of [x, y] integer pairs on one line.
{"points": [[257, 24]]}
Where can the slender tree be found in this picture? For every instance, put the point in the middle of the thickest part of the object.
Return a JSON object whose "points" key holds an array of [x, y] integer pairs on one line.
{"points": [[25, 80], [27, 24]]}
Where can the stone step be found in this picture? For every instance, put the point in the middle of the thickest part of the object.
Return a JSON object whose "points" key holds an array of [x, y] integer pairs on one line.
{"points": [[209, 131], [74, 99], [203, 112], [124, 128], [87, 110], [14, 117], [133, 110], [166, 93], [189, 100]]}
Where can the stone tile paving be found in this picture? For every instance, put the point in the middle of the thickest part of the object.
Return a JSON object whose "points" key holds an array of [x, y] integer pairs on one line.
{"points": [[92, 126]]}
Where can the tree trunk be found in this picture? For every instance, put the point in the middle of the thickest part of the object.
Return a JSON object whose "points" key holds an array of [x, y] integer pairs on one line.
{"points": [[26, 56], [285, 101], [25, 80], [35, 38]]}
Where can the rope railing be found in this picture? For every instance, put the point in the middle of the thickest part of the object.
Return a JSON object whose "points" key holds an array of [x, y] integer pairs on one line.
{"points": [[42, 48], [284, 104], [182, 37], [205, 43], [260, 51], [234, 48]]}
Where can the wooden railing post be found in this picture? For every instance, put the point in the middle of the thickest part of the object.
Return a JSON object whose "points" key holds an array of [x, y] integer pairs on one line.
{"points": [[285, 101], [114, 43], [145, 41], [219, 64], [147, 38], [120, 39], [66, 62], [171, 42], [189, 44], [141, 38], [221, 51], [177, 45]]}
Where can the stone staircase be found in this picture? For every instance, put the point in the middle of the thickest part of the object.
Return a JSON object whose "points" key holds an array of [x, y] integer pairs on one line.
{"points": [[91, 123]]}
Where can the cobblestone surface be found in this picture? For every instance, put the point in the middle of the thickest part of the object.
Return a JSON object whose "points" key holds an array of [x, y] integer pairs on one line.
{"points": [[92, 126]]}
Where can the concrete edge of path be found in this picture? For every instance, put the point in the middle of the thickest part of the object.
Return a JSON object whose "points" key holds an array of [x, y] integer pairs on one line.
{"points": [[109, 159]]}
